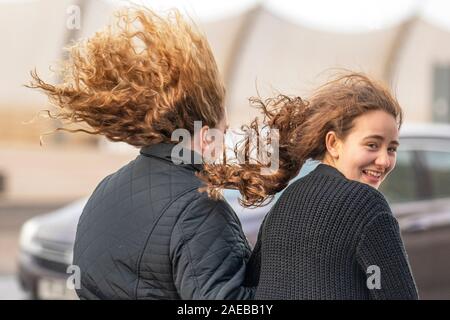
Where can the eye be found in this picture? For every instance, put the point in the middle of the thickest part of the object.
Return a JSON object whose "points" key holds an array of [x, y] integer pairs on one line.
{"points": [[372, 145], [392, 149]]}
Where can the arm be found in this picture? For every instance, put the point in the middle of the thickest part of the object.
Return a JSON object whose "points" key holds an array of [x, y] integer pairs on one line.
{"points": [[209, 253], [254, 264], [381, 246]]}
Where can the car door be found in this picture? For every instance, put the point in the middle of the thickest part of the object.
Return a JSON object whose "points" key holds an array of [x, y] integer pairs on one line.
{"points": [[419, 192]]}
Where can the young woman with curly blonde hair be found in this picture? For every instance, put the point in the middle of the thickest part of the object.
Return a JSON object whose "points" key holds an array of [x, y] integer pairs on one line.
{"points": [[146, 231]]}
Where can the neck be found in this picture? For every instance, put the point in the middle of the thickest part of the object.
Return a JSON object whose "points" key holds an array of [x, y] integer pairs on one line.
{"points": [[329, 161], [195, 145]]}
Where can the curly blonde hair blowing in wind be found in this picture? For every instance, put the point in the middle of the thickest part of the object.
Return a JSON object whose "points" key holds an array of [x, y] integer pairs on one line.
{"points": [[139, 80], [302, 127]]}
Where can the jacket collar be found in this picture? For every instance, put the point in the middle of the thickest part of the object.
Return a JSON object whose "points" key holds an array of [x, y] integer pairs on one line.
{"points": [[163, 151], [328, 170]]}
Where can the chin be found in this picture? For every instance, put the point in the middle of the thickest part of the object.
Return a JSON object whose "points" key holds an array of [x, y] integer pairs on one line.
{"points": [[374, 185]]}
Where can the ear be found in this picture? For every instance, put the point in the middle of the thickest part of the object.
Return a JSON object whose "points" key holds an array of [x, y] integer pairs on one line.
{"points": [[204, 137], [333, 144]]}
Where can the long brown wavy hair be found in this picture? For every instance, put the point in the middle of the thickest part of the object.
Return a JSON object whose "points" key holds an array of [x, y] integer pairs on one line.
{"points": [[302, 127], [139, 79]]}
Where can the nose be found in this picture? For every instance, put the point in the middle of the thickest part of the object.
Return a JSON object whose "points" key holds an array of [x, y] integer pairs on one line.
{"points": [[383, 160]]}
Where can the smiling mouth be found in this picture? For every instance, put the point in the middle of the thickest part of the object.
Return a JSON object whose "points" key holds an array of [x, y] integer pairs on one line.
{"points": [[372, 174]]}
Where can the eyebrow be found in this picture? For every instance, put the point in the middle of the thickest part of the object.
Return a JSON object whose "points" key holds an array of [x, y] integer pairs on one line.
{"points": [[378, 137]]}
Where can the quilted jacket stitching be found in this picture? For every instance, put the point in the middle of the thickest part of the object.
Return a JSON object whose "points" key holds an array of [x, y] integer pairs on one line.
{"points": [[183, 240], [138, 265]]}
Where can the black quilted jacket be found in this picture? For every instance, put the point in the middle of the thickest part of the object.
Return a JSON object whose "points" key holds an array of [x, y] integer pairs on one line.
{"points": [[147, 233]]}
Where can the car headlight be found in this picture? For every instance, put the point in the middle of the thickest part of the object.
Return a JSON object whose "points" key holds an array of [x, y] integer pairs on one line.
{"points": [[27, 239]]}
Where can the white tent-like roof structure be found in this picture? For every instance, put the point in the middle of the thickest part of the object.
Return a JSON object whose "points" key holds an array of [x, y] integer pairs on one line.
{"points": [[266, 45]]}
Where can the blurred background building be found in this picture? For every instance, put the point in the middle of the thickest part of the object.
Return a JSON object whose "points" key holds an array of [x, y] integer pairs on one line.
{"points": [[262, 47]]}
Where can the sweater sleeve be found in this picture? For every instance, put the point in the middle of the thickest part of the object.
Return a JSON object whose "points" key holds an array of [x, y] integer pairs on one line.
{"points": [[209, 253], [382, 257], [254, 264]]}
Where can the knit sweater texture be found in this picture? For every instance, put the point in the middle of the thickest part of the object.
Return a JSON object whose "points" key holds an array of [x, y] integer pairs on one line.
{"points": [[328, 237]]}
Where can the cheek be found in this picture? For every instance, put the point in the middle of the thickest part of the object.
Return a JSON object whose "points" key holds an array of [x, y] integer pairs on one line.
{"points": [[359, 158], [393, 161], [367, 158]]}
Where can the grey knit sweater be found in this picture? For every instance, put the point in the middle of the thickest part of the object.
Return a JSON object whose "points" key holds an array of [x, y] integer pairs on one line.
{"points": [[328, 237]]}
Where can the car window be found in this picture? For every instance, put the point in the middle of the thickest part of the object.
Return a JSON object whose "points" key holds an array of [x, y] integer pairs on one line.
{"points": [[400, 184], [438, 164]]}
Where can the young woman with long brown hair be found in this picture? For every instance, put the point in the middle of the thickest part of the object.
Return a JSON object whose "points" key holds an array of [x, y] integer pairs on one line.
{"points": [[146, 231], [331, 234]]}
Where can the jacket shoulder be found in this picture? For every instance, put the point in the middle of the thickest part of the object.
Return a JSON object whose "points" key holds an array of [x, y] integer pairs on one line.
{"points": [[203, 212]]}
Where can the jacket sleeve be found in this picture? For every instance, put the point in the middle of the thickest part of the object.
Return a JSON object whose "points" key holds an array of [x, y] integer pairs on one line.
{"points": [[381, 253], [254, 264], [209, 252]]}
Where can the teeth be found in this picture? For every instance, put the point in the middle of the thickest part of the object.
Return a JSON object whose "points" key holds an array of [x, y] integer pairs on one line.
{"points": [[373, 173]]}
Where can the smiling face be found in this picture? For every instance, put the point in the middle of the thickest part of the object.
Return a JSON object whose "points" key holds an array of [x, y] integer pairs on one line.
{"points": [[368, 153]]}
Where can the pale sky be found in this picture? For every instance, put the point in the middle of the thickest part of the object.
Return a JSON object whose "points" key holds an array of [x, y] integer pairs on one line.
{"points": [[328, 15]]}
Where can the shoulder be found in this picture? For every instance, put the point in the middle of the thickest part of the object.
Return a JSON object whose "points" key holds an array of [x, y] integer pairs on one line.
{"points": [[364, 200], [337, 189], [367, 190], [207, 224], [204, 212]]}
